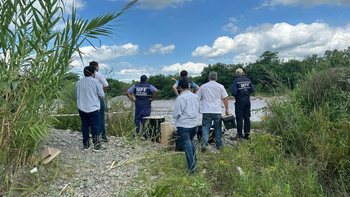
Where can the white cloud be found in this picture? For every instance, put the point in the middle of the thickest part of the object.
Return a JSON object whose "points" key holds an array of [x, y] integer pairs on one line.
{"points": [[230, 28], [160, 4], [233, 19], [158, 48], [308, 3], [133, 72], [290, 41], [128, 75], [104, 53], [192, 68], [109, 52]]}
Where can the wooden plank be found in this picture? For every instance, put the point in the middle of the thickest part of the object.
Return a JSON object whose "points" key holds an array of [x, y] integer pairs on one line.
{"points": [[167, 135]]}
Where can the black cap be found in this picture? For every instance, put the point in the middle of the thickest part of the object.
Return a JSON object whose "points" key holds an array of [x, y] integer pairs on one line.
{"points": [[143, 78], [183, 83]]}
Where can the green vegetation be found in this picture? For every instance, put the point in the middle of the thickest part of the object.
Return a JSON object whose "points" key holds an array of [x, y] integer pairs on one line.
{"points": [[303, 151], [269, 74], [34, 60]]}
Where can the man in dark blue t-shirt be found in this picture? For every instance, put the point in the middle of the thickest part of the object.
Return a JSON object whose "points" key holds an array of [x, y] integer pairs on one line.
{"points": [[142, 92], [241, 89]]}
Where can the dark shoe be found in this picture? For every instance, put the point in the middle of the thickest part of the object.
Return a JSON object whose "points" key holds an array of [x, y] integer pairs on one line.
{"points": [[237, 137], [203, 150], [99, 148], [86, 147], [246, 136], [104, 139]]}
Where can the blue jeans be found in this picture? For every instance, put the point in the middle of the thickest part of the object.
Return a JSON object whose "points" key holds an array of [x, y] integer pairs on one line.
{"points": [[187, 142], [206, 125], [102, 119], [90, 120], [139, 114]]}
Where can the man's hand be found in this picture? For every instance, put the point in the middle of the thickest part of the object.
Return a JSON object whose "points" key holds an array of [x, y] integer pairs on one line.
{"points": [[227, 112], [151, 99]]}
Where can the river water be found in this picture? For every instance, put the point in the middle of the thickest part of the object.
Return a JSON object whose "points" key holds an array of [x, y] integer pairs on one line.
{"points": [[165, 108]]}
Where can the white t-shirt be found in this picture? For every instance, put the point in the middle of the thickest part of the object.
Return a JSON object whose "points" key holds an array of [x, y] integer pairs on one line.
{"points": [[101, 79], [212, 93]]}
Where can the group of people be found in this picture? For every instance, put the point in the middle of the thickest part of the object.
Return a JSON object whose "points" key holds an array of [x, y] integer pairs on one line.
{"points": [[187, 107], [91, 90]]}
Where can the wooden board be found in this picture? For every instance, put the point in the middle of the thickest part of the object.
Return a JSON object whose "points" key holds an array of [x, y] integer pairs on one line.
{"points": [[154, 117], [47, 155], [167, 136]]}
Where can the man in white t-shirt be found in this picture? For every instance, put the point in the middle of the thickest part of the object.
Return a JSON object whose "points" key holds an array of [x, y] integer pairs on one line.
{"points": [[104, 84], [211, 94]]}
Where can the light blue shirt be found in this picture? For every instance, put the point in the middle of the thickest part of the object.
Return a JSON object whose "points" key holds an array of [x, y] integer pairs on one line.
{"points": [[194, 86], [186, 109], [89, 92]]}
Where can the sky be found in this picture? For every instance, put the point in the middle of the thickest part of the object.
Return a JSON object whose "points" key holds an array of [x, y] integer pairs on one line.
{"points": [[167, 36]]}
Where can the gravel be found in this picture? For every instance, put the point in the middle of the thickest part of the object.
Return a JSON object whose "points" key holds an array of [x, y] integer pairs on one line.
{"points": [[89, 174]]}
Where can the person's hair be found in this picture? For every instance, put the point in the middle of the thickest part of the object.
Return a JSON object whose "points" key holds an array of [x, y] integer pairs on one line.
{"points": [[183, 83], [93, 63], [213, 75], [183, 73], [89, 70]]}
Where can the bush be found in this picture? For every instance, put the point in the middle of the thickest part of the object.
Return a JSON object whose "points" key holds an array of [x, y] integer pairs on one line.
{"points": [[67, 104], [120, 124], [314, 126]]}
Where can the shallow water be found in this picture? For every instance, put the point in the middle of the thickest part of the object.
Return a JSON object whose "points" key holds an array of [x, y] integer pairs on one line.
{"points": [[165, 108]]}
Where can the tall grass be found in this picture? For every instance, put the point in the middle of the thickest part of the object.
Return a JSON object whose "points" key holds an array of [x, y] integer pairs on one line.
{"points": [[34, 58], [314, 126]]}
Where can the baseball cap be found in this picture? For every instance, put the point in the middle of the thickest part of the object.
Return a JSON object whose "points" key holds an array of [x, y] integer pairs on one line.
{"points": [[239, 71], [143, 78]]}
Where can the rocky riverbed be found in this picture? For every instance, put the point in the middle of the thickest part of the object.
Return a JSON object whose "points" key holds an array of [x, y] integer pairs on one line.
{"points": [[85, 173]]}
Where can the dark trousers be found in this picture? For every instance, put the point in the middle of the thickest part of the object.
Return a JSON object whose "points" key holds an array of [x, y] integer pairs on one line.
{"points": [[90, 120], [242, 110], [139, 114], [102, 119], [187, 142]]}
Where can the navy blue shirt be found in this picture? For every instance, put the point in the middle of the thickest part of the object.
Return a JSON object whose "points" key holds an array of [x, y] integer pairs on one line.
{"points": [[242, 87]]}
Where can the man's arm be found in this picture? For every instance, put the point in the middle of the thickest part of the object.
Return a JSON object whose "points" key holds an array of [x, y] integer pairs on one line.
{"points": [[155, 93], [195, 86], [128, 93], [177, 109], [225, 100], [100, 92], [251, 88], [175, 89], [234, 88], [105, 89]]}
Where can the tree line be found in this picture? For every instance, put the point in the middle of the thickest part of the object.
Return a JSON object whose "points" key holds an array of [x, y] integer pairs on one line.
{"points": [[268, 73]]}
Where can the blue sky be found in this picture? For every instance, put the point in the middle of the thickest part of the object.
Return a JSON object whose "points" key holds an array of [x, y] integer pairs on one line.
{"points": [[167, 36]]}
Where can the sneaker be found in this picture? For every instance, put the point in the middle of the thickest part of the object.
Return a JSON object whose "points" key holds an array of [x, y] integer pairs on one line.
{"points": [[99, 148], [104, 139], [143, 138], [203, 150]]}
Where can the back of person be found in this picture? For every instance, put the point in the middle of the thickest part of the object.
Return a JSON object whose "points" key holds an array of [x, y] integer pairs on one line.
{"points": [[190, 84], [86, 93], [243, 88], [142, 93], [189, 108], [212, 93]]}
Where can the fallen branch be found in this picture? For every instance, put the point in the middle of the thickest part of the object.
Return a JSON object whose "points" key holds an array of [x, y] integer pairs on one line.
{"points": [[63, 189], [125, 161]]}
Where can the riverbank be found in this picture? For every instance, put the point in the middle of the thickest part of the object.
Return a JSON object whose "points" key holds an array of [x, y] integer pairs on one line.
{"points": [[78, 172]]}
